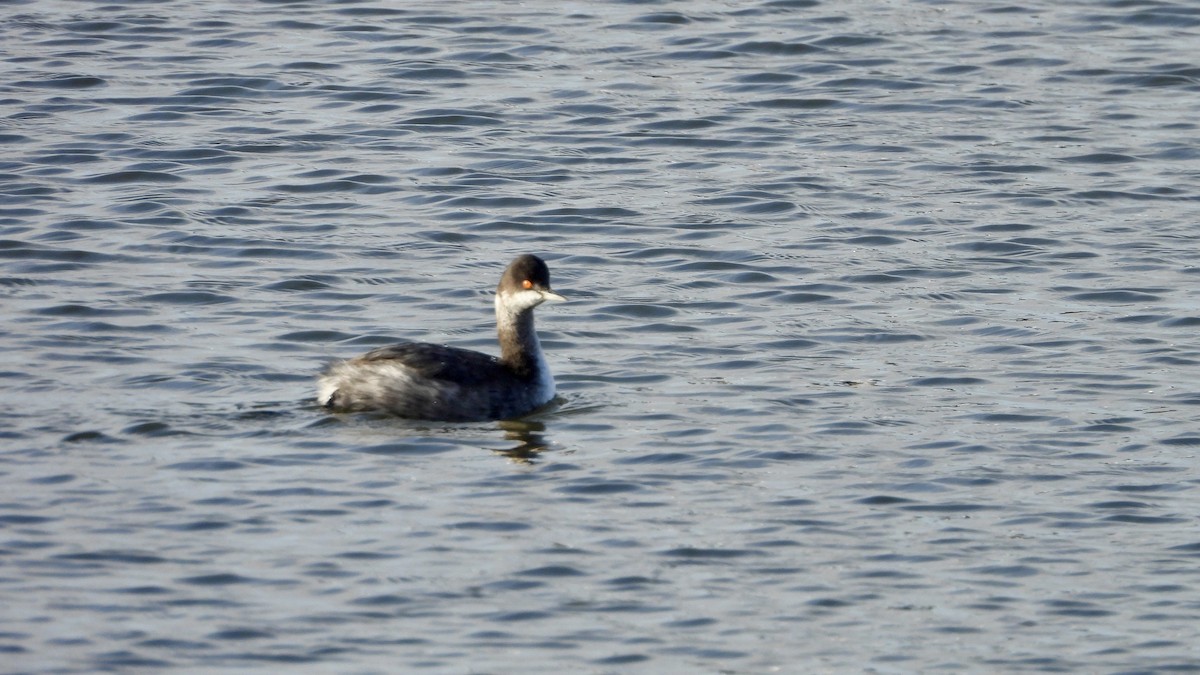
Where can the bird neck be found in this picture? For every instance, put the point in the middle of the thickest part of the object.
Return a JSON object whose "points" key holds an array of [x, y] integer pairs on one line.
{"points": [[519, 346]]}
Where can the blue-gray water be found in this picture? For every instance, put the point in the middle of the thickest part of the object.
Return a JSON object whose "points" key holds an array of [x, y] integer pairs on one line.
{"points": [[882, 352]]}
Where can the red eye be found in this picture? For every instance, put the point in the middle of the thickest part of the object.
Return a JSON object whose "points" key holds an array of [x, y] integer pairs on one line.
{"points": [[527, 284]]}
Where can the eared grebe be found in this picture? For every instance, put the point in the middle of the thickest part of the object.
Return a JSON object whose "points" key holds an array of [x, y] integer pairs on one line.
{"points": [[434, 382]]}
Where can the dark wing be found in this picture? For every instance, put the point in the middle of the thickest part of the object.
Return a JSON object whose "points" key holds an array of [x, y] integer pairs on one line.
{"points": [[439, 362]]}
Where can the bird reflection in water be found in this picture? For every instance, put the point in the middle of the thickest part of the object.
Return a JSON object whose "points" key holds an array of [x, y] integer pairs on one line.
{"points": [[530, 439]]}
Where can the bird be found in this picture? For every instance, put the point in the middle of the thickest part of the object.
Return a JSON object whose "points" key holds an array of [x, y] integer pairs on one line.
{"points": [[426, 381]]}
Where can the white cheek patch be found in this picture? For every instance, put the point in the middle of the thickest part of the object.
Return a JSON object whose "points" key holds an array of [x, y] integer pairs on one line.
{"points": [[519, 301]]}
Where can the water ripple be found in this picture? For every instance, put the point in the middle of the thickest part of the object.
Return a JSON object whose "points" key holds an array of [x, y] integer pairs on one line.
{"points": [[879, 325]]}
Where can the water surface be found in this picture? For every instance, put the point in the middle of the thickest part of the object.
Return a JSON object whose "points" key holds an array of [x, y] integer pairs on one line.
{"points": [[881, 354]]}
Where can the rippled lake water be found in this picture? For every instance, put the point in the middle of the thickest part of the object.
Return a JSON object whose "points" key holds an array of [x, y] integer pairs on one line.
{"points": [[882, 352]]}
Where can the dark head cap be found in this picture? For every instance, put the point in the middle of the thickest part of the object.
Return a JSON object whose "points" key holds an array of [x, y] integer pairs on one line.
{"points": [[526, 272]]}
